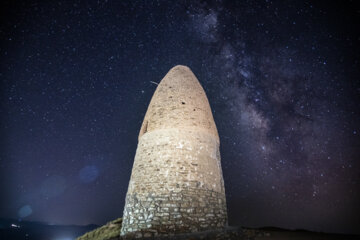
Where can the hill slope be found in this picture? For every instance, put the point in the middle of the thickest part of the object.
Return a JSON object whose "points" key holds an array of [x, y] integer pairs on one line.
{"points": [[108, 231]]}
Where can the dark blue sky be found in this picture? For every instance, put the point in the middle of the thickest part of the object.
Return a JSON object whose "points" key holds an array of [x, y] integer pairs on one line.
{"points": [[282, 80]]}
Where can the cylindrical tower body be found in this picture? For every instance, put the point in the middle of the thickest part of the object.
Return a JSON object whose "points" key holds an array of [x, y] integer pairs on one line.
{"points": [[176, 184]]}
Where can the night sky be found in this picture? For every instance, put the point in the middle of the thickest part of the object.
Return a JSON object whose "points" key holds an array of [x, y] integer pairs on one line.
{"points": [[282, 80]]}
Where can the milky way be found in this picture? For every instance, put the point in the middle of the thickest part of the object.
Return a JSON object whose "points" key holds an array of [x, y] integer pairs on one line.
{"points": [[282, 80]]}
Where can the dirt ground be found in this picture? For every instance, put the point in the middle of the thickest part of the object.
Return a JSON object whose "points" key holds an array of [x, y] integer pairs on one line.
{"points": [[300, 235]]}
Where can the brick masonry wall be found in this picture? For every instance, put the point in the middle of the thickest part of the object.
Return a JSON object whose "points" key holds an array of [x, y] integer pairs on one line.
{"points": [[176, 184]]}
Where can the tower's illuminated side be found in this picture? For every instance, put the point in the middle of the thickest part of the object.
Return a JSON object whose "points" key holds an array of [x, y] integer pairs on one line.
{"points": [[176, 184]]}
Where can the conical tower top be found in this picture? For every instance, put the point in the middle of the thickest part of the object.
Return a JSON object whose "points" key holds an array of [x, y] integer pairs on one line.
{"points": [[179, 102]]}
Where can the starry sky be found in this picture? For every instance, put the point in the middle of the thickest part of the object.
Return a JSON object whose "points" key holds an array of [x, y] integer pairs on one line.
{"points": [[282, 79]]}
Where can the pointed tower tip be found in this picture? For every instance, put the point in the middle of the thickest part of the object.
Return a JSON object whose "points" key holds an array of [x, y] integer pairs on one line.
{"points": [[180, 67], [179, 102]]}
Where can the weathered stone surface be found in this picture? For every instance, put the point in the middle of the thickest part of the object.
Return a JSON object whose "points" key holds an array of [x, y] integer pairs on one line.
{"points": [[228, 233], [176, 184]]}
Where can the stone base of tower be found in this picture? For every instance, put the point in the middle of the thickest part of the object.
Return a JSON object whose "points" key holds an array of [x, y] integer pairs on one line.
{"points": [[174, 213], [176, 185], [227, 233]]}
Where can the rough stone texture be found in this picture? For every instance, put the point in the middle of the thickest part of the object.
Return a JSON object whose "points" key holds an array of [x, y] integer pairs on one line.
{"points": [[179, 102], [176, 184], [229, 233]]}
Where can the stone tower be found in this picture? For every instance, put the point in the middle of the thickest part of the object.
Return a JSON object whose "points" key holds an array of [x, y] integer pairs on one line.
{"points": [[176, 184]]}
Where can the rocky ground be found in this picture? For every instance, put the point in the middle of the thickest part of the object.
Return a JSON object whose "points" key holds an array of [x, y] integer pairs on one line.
{"points": [[111, 231], [283, 234]]}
